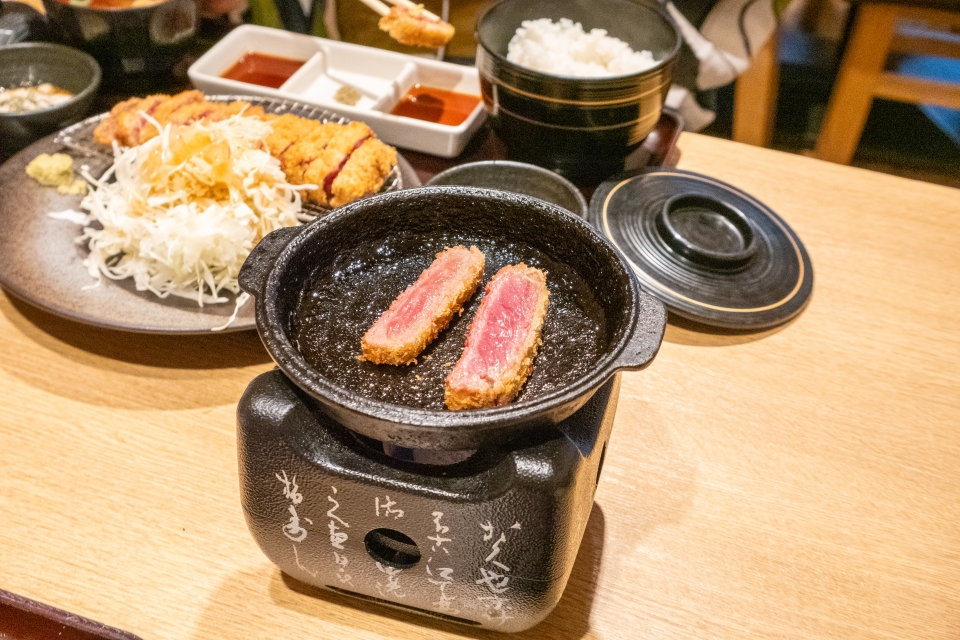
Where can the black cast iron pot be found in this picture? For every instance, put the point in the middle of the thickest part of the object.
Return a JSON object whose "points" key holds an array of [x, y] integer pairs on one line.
{"points": [[318, 288], [137, 42], [583, 128]]}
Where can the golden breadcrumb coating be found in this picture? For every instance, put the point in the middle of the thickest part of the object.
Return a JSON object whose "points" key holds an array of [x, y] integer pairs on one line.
{"points": [[345, 161], [345, 140], [363, 173], [311, 139], [173, 103], [131, 122], [415, 30]]}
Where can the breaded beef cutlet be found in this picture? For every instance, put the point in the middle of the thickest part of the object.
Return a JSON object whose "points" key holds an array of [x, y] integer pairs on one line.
{"points": [[425, 308], [502, 341]]}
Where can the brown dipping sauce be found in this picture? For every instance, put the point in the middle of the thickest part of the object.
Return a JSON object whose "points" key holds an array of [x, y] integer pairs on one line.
{"points": [[263, 69], [436, 105]]}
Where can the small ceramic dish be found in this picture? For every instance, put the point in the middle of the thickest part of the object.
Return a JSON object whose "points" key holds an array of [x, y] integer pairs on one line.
{"points": [[378, 80], [516, 177], [33, 63]]}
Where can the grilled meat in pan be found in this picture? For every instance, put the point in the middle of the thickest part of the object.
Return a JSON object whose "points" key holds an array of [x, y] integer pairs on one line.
{"points": [[425, 308], [502, 342]]}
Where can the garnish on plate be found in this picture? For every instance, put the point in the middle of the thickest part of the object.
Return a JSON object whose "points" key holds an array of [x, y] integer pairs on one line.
{"points": [[56, 170], [180, 213]]}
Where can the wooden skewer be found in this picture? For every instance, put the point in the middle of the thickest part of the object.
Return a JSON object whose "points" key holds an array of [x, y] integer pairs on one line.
{"points": [[407, 4], [377, 6], [445, 16]]}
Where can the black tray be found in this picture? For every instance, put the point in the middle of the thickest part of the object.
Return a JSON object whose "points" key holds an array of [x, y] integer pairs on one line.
{"points": [[25, 619]]}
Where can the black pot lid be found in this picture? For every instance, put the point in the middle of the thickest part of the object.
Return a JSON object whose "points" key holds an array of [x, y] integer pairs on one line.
{"points": [[707, 250]]}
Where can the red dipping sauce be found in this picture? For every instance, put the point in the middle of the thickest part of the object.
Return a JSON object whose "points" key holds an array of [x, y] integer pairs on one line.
{"points": [[436, 105], [263, 69]]}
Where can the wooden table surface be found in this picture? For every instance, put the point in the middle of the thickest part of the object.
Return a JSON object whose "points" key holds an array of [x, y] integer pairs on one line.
{"points": [[798, 483]]}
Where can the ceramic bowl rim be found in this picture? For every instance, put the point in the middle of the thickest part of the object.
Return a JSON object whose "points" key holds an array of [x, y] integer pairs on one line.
{"points": [[525, 166], [91, 87], [118, 10]]}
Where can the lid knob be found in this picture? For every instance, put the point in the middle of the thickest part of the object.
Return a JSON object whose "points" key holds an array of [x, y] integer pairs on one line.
{"points": [[706, 231]]}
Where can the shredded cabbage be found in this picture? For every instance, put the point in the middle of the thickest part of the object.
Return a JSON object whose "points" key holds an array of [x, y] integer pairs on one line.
{"points": [[184, 209]]}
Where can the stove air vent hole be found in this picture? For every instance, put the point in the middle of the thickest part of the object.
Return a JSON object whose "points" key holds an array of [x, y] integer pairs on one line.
{"points": [[392, 548]]}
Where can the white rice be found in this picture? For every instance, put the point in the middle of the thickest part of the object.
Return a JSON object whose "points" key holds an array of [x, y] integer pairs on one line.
{"points": [[563, 48]]}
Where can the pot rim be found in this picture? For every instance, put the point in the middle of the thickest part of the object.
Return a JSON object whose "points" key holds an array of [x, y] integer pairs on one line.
{"points": [[296, 367], [117, 10], [590, 82]]}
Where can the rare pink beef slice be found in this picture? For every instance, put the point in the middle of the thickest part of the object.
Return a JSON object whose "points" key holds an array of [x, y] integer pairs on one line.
{"points": [[503, 340], [425, 308]]}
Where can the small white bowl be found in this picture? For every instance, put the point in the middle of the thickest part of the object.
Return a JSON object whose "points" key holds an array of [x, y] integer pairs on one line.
{"points": [[382, 78]]}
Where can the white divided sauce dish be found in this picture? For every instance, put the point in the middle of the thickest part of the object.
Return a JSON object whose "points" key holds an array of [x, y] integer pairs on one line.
{"points": [[381, 77]]}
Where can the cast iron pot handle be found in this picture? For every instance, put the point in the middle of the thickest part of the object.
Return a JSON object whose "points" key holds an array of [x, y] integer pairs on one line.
{"points": [[253, 273], [647, 334]]}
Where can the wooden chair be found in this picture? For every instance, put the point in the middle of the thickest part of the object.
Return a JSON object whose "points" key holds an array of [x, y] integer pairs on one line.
{"points": [[755, 96], [863, 75]]}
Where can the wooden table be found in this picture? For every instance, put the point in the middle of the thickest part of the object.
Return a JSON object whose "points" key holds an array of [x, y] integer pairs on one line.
{"points": [[798, 483]]}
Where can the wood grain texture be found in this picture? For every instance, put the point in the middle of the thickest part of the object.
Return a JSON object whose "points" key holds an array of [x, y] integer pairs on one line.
{"points": [[755, 99], [796, 483], [853, 90], [894, 86]]}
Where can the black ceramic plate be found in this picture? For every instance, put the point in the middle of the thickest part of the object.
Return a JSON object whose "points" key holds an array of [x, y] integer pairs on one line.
{"points": [[41, 263], [707, 250]]}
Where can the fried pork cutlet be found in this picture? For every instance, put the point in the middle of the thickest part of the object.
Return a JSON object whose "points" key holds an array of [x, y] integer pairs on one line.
{"points": [[312, 139], [173, 103], [238, 107], [331, 159], [107, 131], [286, 128], [131, 122], [163, 113], [412, 27], [125, 120], [363, 169], [195, 111], [344, 161], [425, 308], [503, 340]]}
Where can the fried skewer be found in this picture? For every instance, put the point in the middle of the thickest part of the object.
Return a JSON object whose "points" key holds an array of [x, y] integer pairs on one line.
{"points": [[413, 6], [411, 24]]}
